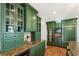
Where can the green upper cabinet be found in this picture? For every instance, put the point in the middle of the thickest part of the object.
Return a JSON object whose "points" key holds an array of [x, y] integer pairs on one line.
{"points": [[28, 19], [9, 16], [11, 25], [69, 29], [14, 18], [38, 24], [51, 25], [38, 33], [31, 18], [58, 25], [34, 21], [19, 18], [68, 22]]}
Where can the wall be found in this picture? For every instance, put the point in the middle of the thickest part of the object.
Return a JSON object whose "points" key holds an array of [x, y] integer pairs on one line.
{"points": [[43, 30], [78, 36]]}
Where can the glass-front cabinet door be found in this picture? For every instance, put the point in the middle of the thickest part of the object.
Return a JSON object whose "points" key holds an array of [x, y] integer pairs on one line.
{"points": [[10, 17], [14, 18], [20, 18]]}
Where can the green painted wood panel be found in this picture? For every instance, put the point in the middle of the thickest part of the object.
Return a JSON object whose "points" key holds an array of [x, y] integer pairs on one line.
{"points": [[42, 49], [38, 50], [51, 25], [19, 39], [9, 44], [8, 40], [38, 35], [69, 33], [69, 30], [67, 22], [19, 20], [58, 25], [33, 51], [38, 24], [34, 21], [28, 19], [31, 19]]}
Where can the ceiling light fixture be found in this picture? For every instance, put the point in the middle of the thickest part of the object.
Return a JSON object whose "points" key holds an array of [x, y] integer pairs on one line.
{"points": [[54, 12]]}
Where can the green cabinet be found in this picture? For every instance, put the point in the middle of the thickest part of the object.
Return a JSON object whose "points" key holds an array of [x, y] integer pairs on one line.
{"points": [[38, 33], [42, 49], [28, 19], [51, 25], [37, 50], [58, 25], [34, 21], [12, 22], [69, 29], [31, 19], [19, 39]]}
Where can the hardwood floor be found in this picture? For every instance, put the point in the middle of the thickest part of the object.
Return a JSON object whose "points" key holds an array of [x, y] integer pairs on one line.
{"points": [[55, 51]]}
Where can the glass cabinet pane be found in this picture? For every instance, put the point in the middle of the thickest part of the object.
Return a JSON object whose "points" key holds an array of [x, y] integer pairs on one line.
{"points": [[20, 19], [7, 5], [9, 17]]}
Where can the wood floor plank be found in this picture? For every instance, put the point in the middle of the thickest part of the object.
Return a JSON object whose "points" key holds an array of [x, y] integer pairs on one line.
{"points": [[55, 51]]}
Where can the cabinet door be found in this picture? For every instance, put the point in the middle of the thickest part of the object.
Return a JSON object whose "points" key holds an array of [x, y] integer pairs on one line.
{"points": [[51, 25], [33, 51], [9, 44], [19, 39], [69, 33], [34, 21], [9, 22], [42, 49], [28, 19], [19, 18], [38, 35], [48, 26], [58, 25], [38, 24], [9, 41]]}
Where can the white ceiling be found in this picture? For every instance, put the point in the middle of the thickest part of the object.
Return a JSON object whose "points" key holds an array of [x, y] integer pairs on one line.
{"points": [[56, 11]]}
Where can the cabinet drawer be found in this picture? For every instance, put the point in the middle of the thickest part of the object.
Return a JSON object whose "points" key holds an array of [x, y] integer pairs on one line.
{"points": [[8, 45], [6, 48], [9, 36], [19, 36], [19, 42]]}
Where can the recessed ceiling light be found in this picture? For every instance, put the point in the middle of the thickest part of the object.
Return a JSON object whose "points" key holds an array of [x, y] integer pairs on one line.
{"points": [[54, 12]]}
